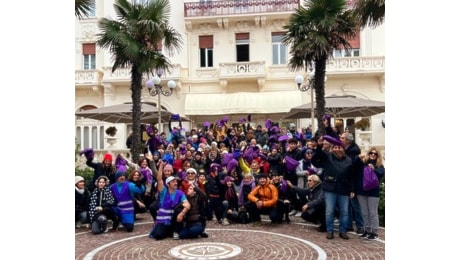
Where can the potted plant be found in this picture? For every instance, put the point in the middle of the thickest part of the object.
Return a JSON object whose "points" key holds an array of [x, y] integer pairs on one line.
{"points": [[363, 124], [111, 131]]}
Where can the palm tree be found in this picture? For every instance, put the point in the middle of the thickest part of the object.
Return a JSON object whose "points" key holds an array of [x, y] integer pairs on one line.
{"points": [[314, 30], [135, 40], [370, 12], [83, 8]]}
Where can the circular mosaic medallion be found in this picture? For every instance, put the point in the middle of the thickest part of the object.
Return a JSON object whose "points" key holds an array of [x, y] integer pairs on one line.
{"points": [[205, 251]]}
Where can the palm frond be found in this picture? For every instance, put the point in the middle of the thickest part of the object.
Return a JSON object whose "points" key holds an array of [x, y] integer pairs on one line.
{"points": [[370, 12], [83, 8]]}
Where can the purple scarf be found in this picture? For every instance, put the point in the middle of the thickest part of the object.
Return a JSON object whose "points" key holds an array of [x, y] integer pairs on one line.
{"points": [[245, 183]]}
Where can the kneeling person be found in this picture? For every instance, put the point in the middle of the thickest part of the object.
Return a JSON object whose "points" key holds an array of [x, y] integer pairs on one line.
{"points": [[264, 198]]}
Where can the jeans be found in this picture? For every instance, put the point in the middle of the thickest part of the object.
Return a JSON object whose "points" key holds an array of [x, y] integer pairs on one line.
{"points": [[340, 201], [191, 231], [354, 211]]}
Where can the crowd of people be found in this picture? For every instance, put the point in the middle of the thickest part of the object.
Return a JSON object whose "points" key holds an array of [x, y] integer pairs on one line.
{"points": [[234, 174]]}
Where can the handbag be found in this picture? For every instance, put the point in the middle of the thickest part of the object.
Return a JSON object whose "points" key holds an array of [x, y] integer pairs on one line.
{"points": [[370, 180]]}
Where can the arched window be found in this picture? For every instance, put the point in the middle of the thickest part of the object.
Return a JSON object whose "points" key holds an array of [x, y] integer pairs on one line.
{"points": [[89, 134]]}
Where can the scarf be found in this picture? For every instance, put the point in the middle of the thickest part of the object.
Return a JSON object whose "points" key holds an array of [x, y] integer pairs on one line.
{"points": [[229, 193], [81, 191], [245, 183]]}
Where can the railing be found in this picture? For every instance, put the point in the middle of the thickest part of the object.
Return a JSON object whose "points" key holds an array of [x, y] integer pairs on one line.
{"points": [[235, 7], [86, 77], [125, 73], [99, 155], [356, 64], [241, 69]]}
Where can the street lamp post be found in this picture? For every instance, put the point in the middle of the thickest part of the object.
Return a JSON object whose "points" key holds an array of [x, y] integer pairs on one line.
{"points": [[299, 80], [156, 89]]}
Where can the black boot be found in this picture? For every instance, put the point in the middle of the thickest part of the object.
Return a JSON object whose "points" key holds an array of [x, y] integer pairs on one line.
{"points": [[115, 225]]}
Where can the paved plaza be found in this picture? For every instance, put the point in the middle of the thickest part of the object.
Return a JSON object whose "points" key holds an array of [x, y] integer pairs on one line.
{"points": [[297, 240]]}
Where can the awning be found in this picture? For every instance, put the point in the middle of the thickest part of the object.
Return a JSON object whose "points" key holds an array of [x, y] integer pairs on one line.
{"points": [[242, 103]]}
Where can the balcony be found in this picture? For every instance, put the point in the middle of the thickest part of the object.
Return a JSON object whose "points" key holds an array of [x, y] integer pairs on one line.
{"points": [[225, 14], [356, 65], [88, 78], [239, 71], [124, 74]]}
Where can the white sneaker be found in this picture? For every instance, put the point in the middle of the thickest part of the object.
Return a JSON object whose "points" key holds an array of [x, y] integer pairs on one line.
{"points": [[298, 214], [175, 236], [225, 222], [293, 212]]}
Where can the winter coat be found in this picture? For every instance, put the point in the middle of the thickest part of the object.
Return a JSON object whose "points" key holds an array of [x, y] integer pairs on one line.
{"points": [[100, 198], [358, 171], [337, 172]]}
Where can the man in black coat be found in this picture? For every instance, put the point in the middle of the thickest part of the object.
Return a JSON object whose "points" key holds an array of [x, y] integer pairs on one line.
{"points": [[352, 150], [314, 210]]}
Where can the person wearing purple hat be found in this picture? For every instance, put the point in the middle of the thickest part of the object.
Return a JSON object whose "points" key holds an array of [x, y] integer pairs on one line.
{"points": [[213, 188], [291, 159], [275, 160], [305, 168], [352, 150], [230, 198], [337, 183]]}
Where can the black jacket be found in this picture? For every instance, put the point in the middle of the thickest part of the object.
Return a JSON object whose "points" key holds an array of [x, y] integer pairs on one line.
{"points": [[337, 172]]}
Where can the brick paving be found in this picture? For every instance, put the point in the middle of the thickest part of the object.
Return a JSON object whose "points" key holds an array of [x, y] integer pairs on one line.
{"points": [[297, 240]]}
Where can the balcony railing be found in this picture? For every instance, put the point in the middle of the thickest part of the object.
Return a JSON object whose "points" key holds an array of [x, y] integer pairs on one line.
{"points": [[235, 7], [124, 74], [352, 64], [88, 77], [80, 161], [242, 69]]}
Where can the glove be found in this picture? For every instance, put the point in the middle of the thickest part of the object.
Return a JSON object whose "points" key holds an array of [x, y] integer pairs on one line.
{"points": [[88, 152]]}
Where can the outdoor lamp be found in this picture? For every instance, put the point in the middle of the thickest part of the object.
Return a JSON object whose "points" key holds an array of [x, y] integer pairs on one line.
{"points": [[156, 89], [299, 80]]}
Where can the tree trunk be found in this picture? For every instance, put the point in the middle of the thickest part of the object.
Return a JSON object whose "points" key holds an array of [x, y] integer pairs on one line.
{"points": [[136, 90], [320, 73]]}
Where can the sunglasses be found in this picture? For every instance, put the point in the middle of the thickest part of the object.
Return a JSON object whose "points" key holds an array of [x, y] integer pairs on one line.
{"points": [[190, 173], [309, 180], [373, 153]]}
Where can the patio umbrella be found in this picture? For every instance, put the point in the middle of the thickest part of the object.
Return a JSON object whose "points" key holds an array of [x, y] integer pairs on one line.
{"points": [[122, 113], [341, 106]]}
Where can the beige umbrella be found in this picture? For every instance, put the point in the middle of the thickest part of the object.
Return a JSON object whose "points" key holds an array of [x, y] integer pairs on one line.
{"points": [[122, 113], [341, 106]]}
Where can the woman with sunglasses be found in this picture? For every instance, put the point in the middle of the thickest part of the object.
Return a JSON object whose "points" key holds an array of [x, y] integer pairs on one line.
{"points": [[369, 199]]}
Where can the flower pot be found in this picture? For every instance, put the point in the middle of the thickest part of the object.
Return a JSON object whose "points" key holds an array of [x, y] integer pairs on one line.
{"points": [[111, 141]]}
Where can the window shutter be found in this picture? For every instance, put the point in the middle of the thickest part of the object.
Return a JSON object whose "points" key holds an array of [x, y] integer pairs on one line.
{"points": [[278, 33], [355, 43], [206, 42], [242, 36], [89, 48]]}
